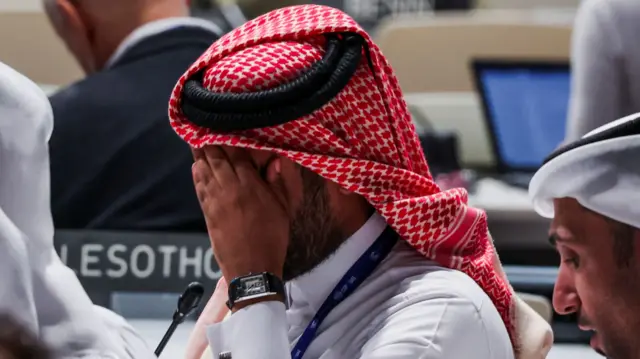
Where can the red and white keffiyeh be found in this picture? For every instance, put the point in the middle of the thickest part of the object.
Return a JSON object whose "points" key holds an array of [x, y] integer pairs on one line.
{"points": [[363, 139]]}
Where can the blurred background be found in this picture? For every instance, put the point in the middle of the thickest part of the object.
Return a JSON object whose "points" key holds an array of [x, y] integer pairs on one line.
{"points": [[487, 82]]}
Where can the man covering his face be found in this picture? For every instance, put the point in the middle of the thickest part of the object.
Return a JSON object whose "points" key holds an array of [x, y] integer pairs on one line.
{"points": [[590, 188], [309, 171]]}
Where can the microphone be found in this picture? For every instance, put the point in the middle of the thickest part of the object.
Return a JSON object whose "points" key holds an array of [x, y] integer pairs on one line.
{"points": [[188, 301]]}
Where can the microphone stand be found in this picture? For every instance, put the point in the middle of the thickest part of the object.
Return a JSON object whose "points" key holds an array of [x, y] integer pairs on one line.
{"points": [[188, 301]]}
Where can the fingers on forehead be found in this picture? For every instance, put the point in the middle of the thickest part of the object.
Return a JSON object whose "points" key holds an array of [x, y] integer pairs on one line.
{"points": [[236, 153], [198, 153], [258, 157], [213, 152]]}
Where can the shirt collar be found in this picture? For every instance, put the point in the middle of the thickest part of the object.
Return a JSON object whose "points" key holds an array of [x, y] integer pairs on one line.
{"points": [[156, 27], [314, 287]]}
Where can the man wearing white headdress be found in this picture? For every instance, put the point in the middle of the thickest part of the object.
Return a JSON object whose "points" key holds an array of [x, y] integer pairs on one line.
{"points": [[591, 189], [36, 287]]}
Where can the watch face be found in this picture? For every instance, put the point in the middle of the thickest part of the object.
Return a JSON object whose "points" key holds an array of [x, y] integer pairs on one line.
{"points": [[253, 285]]}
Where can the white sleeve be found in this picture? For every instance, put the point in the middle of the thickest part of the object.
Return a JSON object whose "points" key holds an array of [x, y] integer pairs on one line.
{"points": [[598, 83], [443, 328], [257, 331], [16, 287], [447, 328]]}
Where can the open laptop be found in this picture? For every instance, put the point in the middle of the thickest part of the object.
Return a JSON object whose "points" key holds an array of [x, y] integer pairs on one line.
{"points": [[525, 105]]}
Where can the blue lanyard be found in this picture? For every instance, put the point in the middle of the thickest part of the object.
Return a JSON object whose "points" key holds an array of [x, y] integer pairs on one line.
{"points": [[357, 274]]}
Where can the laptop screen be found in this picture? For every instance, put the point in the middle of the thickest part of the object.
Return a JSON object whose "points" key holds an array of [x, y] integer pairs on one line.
{"points": [[526, 108]]}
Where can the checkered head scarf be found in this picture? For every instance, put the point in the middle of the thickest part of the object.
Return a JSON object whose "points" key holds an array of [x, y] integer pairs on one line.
{"points": [[307, 83]]}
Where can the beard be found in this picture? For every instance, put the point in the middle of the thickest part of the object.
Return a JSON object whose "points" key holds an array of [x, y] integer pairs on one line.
{"points": [[617, 320], [617, 339], [614, 346], [314, 234]]}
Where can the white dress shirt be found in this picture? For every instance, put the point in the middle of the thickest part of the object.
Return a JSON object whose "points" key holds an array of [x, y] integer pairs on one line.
{"points": [[156, 27], [409, 307]]}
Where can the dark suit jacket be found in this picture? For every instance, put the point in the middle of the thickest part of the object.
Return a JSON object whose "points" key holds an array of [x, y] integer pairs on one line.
{"points": [[115, 161]]}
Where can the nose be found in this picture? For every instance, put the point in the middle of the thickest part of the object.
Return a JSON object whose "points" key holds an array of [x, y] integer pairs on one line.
{"points": [[565, 298]]}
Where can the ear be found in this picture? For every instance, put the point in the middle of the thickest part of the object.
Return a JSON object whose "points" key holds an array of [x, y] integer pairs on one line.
{"points": [[74, 26], [337, 191], [70, 16]]}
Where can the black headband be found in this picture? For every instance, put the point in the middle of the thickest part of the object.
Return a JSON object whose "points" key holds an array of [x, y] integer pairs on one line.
{"points": [[227, 112], [625, 129]]}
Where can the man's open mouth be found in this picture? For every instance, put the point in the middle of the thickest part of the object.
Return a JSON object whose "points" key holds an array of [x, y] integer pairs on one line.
{"points": [[596, 344]]}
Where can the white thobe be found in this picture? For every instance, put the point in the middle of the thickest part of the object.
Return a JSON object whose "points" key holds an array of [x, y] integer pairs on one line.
{"points": [[36, 287], [408, 308]]}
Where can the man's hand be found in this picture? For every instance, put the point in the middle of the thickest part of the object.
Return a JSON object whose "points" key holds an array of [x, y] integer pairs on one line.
{"points": [[245, 214], [214, 312]]}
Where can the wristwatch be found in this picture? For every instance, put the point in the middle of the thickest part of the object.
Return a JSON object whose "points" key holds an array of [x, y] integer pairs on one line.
{"points": [[254, 286]]}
